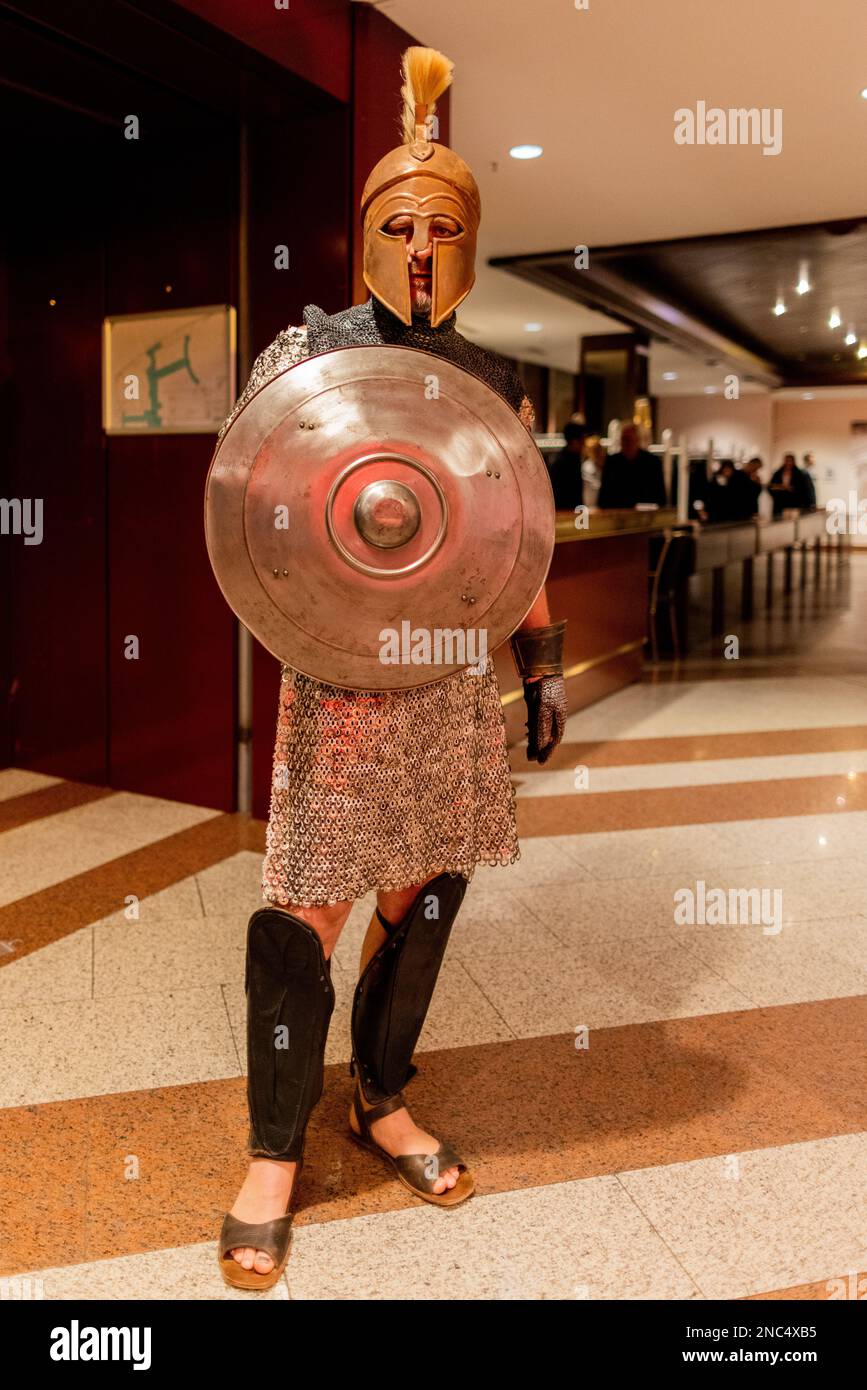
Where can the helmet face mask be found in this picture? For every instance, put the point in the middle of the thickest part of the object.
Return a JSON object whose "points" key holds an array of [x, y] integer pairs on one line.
{"points": [[422, 195]]}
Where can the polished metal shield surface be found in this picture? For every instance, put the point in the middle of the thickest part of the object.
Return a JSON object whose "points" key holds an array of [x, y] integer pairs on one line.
{"points": [[379, 518]]}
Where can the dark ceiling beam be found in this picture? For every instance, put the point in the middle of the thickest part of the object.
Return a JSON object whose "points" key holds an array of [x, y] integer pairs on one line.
{"points": [[611, 294]]}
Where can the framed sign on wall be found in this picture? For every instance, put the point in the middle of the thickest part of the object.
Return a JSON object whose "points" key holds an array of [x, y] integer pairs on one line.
{"points": [[168, 373]]}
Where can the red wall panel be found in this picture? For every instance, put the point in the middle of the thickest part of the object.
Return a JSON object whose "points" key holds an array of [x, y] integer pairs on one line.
{"points": [[309, 37], [52, 444]]}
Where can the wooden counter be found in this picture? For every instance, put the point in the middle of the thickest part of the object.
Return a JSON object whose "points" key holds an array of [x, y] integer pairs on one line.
{"points": [[598, 582]]}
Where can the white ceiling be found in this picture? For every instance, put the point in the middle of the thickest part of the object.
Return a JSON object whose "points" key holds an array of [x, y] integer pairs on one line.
{"points": [[598, 89]]}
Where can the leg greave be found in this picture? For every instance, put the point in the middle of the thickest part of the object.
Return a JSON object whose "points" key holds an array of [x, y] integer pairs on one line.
{"points": [[394, 992], [290, 999]]}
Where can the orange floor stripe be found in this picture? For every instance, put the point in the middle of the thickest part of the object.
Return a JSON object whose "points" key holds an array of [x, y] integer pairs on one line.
{"points": [[840, 1287], [767, 743], [48, 801], [583, 812]]}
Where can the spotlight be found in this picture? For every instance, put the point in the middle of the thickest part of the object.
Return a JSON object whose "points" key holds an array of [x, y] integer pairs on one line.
{"points": [[669, 376], [533, 327], [803, 284], [779, 307], [834, 319], [525, 151], [851, 337]]}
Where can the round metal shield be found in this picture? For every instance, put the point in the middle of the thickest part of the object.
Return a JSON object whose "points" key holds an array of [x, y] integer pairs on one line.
{"points": [[379, 518]]}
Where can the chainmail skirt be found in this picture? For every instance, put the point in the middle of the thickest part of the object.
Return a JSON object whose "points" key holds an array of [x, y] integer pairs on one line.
{"points": [[384, 789]]}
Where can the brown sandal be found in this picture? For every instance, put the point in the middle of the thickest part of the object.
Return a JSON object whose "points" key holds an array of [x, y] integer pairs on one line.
{"points": [[272, 1237], [417, 1172]]}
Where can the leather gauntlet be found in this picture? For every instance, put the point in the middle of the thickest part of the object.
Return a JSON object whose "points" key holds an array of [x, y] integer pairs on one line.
{"points": [[538, 653]]}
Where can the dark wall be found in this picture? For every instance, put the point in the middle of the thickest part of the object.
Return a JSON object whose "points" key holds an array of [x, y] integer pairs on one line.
{"points": [[103, 226], [55, 676]]}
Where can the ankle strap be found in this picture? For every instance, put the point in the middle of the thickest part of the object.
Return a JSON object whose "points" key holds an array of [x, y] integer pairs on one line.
{"points": [[366, 1118]]}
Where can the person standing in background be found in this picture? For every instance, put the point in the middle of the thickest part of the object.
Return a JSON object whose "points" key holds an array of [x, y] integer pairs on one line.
{"points": [[752, 485], [565, 470], [633, 477], [809, 479], [788, 487], [595, 456]]}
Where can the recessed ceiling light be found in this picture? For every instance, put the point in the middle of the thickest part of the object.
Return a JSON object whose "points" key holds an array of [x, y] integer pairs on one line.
{"points": [[851, 337], [862, 350], [525, 151], [779, 307], [864, 93], [533, 327], [834, 319], [807, 396], [669, 376], [803, 284]]}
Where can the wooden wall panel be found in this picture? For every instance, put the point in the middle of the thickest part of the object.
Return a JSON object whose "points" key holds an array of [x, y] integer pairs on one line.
{"points": [[54, 681]]}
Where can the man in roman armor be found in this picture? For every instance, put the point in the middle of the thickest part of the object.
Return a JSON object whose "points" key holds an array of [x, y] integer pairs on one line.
{"points": [[398, 791]]}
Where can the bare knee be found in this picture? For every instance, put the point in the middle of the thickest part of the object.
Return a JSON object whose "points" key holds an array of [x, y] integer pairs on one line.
{"points": [[326, 919], [394, 903]]}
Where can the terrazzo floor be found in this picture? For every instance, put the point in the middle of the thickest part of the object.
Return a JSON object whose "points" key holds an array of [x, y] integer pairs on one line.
{"points": [[652, 1109]]}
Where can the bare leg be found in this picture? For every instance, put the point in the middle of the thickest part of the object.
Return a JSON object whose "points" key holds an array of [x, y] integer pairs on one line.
{"points": [[267, 1187], [396, 1132]]}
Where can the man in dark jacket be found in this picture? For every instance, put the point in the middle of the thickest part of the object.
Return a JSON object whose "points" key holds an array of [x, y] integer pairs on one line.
{"points": [[633, 476], [790, 488], [565, 470]]}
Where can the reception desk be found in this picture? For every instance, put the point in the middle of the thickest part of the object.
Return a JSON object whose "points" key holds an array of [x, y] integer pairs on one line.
{"points": [[598, 582]]}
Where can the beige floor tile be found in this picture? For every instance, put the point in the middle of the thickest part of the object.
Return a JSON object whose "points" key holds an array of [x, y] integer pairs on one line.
{"points": [[177, 1275], [56, 1051], [17, 781], [594, 911], [44, 852], [61, 971], [804, 839], [794, 1214], [543, 860], [490, 923], [157, 957], [180, 902], [577, 1240], [665, 850], [788, 968], [603, 985], [234, 885]]}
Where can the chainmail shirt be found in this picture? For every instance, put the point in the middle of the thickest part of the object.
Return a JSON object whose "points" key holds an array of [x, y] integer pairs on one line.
{"points": [[384, 789]]}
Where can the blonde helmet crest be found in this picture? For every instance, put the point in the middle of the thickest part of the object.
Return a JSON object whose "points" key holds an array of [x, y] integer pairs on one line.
{"points": [[420, 179]]}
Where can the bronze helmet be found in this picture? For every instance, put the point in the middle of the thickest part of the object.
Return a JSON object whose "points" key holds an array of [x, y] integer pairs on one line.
{"points": [[420, 179]]}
